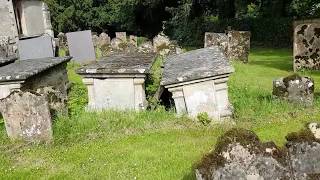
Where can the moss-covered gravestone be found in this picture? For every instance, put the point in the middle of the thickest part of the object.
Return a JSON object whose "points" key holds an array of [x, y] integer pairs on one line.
{"points": [[295, 89], [239, 154]]}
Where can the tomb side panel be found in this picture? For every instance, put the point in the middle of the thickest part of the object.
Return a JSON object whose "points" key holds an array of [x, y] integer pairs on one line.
{"points": [[200, 98], [114, 93]]}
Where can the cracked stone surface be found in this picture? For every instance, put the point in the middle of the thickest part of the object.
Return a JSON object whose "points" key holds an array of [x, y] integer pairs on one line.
{"points": [[194, 65], [21, 70], [123, 63]]}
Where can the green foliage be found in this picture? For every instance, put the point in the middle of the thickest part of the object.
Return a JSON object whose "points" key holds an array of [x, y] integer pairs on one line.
{"points": [[204, 118], [78, 95], [306, 8]]}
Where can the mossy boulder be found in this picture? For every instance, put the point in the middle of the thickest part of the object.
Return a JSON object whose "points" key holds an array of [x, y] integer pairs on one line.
{"points": [[239, 154]]}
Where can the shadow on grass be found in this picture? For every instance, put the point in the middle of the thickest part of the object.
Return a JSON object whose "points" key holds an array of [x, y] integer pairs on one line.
{"points": [[279, 59], [190, 176]]}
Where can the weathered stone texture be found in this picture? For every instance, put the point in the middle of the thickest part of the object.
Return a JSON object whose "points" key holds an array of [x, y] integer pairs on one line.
{"points": [[307, 45], [49, 75], [121, 36], [133, 40], [7, 21], [117, 81], [239, 45], [217, 39], [198, 82], [27, 116], [161, 42], [239, 154], [295, 89], [146, 47]]}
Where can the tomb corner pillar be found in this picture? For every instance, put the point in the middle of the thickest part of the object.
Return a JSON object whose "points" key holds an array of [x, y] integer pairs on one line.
{"points": [[89, 82], [178, 96], [139, 94]]}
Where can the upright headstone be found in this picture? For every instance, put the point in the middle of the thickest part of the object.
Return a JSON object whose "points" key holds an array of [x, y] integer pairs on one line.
{"points": [[81, 46], [35, 48], [161, 42], [295, 89], [27, 116], [121, 36], [95, 40], [239, 45], [217, 39], [133, 40], [307, 45], [104, 39]]}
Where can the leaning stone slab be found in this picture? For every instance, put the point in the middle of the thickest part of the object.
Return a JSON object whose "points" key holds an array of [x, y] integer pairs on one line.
{"points": [[239, 154], [239, 45], [27, 117], [295, 89], [198, 81], [307, 44], [81, 46], [117, 81]]}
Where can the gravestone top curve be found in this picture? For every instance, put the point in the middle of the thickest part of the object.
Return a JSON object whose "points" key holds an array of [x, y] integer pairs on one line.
{"points": [[22, 70], [122, 63], [195, 65]]}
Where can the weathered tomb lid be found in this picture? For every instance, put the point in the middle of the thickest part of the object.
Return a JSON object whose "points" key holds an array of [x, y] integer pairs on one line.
{"points": [[22, 70], [124, 63], [194, 65], [7, 60]]}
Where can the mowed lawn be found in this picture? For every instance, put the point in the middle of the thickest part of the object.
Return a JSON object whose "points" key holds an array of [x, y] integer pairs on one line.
{"points": [[157, 144]]}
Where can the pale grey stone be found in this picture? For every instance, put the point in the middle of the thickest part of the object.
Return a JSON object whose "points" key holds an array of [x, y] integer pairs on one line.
{"points": [[194, 65], [117, 81], [21, 70], [27, 117], [198, 82], [81, 46], [34, 48]]}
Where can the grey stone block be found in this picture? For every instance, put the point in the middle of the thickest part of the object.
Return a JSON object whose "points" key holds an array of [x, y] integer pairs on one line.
{"points": [[34, 48], [81, 46]]}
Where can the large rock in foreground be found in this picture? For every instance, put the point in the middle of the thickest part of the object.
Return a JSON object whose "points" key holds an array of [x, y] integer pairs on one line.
{"points": [[239, 154]]}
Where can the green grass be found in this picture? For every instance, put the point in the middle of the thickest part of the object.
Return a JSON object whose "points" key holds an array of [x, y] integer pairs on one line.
{"points": [[155, 144]]}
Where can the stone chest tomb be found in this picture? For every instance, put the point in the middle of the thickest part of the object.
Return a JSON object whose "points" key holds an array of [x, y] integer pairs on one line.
{"points": [[117, 81], [198, 82]]}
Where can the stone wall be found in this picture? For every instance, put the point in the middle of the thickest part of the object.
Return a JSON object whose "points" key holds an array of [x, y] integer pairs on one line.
{"points": [[307, 45]]}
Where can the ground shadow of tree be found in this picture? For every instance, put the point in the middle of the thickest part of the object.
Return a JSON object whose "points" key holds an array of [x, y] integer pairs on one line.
{"points": [[269, 58]]}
